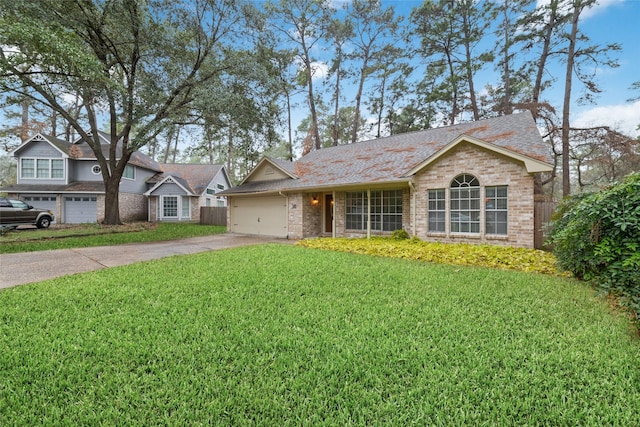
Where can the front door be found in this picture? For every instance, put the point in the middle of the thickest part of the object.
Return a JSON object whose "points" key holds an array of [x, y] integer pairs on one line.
{"points": [[328, 213]]}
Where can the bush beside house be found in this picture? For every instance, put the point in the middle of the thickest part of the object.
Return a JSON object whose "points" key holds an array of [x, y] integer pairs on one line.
{"points": [[596, 236]]}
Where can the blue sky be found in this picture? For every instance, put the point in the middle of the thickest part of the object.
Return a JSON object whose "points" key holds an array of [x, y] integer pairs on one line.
{"points": [[611, 21], [615, 21]]}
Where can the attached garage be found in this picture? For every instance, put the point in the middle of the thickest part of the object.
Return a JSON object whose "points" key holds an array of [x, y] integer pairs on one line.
{"points": [[266, 216], [43, 202], [80, 209]]}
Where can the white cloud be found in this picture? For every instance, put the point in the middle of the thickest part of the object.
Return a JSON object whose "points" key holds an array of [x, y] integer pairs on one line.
{"points": [[597, 7], [319, 70], [624, 118]]}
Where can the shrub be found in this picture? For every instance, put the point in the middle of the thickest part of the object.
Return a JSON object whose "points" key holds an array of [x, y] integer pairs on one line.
{"points": [[400, 234], [597, 237]]}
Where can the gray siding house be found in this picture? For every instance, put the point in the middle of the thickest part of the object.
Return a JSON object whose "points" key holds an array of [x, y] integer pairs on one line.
{"points": [[66, 178]]}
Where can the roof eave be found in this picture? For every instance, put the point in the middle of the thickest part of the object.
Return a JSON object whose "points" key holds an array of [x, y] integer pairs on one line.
{"points": [[323, 188]]}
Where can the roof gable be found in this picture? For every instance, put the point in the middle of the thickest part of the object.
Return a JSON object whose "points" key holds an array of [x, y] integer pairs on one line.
{"points": [[269, 169], [170, 180], [193, 178], [532, 165], [58, 144]]}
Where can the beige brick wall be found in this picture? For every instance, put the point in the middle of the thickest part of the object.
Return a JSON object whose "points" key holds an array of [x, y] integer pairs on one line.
{"points": [[295, 211], [133, 207], [491, 169]]}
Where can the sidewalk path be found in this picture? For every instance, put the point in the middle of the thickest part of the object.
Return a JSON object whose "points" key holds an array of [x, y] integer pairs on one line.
{"points": [[28, 267]]}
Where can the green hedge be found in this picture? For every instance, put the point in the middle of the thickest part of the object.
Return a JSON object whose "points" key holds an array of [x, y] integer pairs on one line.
{"points": [[596, 236]]}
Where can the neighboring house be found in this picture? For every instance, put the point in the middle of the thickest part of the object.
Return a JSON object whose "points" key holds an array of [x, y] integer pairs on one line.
{"points": [[180, 190], [66, 178], [472, 182]]}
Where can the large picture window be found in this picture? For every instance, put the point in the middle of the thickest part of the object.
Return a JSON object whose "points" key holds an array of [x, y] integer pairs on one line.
{"points": [[170, 206], [386, 210], [465, 204], [42, 168], [496, 210]]}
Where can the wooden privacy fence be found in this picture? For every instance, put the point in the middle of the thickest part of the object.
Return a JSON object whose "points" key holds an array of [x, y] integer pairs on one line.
{"points": [[542, 212], [210, 215]]}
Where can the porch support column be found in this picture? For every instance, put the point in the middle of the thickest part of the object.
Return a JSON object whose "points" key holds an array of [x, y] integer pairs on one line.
{"points": [[412, 190], [368, 213], [333, 215]]}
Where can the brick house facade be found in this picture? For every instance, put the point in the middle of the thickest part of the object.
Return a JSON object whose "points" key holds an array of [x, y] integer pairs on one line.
{"points": [[471, 183]]}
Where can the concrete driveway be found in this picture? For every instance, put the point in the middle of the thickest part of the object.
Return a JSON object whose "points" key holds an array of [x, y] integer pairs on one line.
{"points": [[29, 267]]}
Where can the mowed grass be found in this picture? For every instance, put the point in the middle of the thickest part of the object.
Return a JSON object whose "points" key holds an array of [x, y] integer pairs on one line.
{"points": [[285, 335], [89, 235]]}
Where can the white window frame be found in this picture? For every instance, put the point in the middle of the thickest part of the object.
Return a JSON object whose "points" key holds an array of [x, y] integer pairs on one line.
{"points": [[132, 175], [383, 211], [464, 205], [496, 204], [163, 208], [35, 168], [183, 206], [437, 210]]}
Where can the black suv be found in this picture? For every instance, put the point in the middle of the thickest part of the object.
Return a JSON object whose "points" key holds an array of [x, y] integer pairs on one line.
{"points": [[16, 212]]}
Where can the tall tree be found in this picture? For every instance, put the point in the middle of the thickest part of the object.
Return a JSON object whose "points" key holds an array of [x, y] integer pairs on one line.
{"points": [[450, 32], [340, 32], [134, 64], [577, 56], [389, 87], [302, 24], [375, 30]]}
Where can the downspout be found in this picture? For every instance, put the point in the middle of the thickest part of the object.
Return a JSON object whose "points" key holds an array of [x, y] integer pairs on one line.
{"points": [[369, 213], [412, 187]]}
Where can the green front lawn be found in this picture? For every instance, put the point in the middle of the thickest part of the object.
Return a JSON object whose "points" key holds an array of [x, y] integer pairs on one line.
{"points": [[286, 335], [88, 235]]}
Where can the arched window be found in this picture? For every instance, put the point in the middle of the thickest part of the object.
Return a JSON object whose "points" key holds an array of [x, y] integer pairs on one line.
{"points": [[465, 204]]}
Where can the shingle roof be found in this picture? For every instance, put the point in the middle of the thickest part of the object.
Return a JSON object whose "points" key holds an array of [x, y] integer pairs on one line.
{"points": [[74, 187], [194, 177], [390, 159], [81, 150]]}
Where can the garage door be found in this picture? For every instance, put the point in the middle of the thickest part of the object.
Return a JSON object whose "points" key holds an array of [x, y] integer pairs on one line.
{"points": [[80, 209], [43, 202], [265, 216]]}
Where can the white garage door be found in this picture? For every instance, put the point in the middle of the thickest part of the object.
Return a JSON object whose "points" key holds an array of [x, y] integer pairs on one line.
{"points": [[265, 216], [80, 209]]}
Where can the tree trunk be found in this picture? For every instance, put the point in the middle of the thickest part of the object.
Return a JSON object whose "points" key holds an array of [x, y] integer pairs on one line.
{"points": [[111, 201], [336, 107], [507, 72], [289, 125], [356, 113], [566, 109], [24, 128], [537, 87], [175, 146], [467, 48]]}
